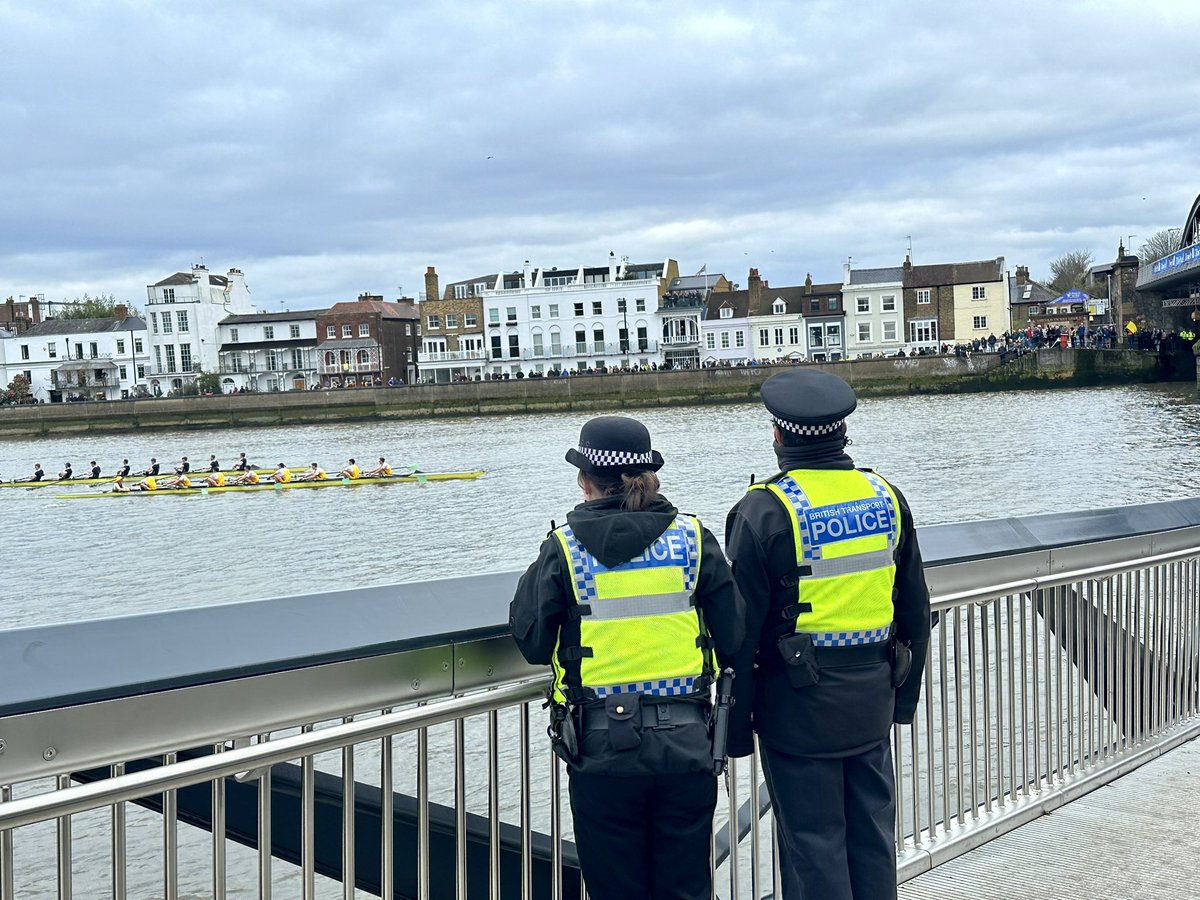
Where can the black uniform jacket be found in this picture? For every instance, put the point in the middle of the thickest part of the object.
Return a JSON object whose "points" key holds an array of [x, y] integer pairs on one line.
{"points": [[539, 611], [851, 709]]}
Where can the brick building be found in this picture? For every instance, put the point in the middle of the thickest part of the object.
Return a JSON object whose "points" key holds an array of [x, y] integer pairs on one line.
{"points": [[368, 341], [452, 342]]}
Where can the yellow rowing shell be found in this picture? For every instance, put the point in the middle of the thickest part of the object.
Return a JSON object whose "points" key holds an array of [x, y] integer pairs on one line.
{"points": [[109, 479], [415, 478]]}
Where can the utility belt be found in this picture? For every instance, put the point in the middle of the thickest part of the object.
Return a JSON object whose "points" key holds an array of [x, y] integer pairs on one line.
{"points": [[802, 660], [657, 714]]}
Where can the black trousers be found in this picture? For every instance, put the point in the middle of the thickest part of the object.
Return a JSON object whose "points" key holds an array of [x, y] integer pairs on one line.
{"points": [[644, 837], [836, 820]]}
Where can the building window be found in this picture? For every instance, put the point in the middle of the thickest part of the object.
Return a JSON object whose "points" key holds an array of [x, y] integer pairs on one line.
{"points": [[535, 312], [497, 352], [764, 336], [833, 304], [816, 336], [794, 335], [724, 340], [331, 331], [979, 293], [597, 307], [185, 357], [726, 312], [170, 348], [166, 322], [621, 304], [779, 308], [297, 358], [137, 345], [183, 319], [141, 371], [889, 331], [122, 372], [889, 303], [330, 359], [555, 343], [157, 358], [924, 295], [814, 306], [514, 346], [233, 335], [863, 304], [120, 346], [364, 357], [168, 295], [778, 337], [408, 328], [537, 343], [294, 331], [470, 320], [739, 339], [510, 314], [598, 339], [78, 350], [478, 288], [460, 291], [642, 337], [268, 332], [24, 351], [451, 320], [979, 322], [554, 310], [580, 341], [272, 361], [494, 315], [347, 331], [52, 350], [579, 309], [640, 304], [364, 329], [93, 350], [923, 331], [864, 332], [710, 341], [154, 322]]}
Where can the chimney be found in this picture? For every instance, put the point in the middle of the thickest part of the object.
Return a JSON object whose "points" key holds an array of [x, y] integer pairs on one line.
{"points": [[431, 283], [907, 262], [612, 265], [754, 285], [120, 312], [200, 274], [846, 272], [1022, 274], [35, 310], [808, 283], [526, 271]]}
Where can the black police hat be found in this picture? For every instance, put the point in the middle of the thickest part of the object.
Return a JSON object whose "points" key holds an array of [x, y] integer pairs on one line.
{"points": [[808, 402], [613, 444]]}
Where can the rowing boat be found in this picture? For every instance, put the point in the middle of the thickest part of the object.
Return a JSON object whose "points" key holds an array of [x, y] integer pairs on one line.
{"points": [[109, 479], [414, 478]]}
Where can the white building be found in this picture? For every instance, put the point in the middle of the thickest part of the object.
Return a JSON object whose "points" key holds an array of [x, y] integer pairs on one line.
{"points": [[874, 304], [88, 359], [725, 332], [183, 312], [268, 351], [776, 321], [540, 320]]}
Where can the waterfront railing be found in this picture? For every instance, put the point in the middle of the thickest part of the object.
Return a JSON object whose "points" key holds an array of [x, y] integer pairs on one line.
{"points": [[366, 737]]}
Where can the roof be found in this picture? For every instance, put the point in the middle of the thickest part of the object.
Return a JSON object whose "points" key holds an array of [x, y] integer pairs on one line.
{"points": [[793, 298], [739, 300], [1030, 292], [80, 365], [238, 319], [694, 282], [348, 344], [186, 278], [389, 309], [267, 345], [877, 276], [57, 327], [955, 273]]}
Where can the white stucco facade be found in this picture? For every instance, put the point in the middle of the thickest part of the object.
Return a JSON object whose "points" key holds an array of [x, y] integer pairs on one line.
{"points": [[93, 359], [874, 303], [778, 333], [268, 351], [725, 338]]}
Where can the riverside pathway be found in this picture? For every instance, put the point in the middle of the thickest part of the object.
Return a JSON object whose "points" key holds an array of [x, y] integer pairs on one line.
{"points": [[1135, 838]]}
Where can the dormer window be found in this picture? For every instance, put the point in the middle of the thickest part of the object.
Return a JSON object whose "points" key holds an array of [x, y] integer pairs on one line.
{"points": [[726, 312], [779, 308]]}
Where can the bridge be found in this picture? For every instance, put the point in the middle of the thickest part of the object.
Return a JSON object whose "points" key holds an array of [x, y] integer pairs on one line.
{"points": [[388, 741]]}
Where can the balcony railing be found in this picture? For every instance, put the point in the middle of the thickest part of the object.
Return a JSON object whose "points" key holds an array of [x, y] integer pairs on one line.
{"points": [[342, 368], [453, 356], [1057, 663], [589, 351]]}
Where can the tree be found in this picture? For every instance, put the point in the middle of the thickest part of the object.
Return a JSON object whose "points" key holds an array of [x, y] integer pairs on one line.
{"points": [[1069, 271], [18, 388], [1161, 243], [208, 383], [99, 307]]}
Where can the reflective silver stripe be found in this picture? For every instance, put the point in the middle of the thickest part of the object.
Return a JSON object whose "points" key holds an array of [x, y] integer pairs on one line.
{"points": [[850, 565], [637, 607]]}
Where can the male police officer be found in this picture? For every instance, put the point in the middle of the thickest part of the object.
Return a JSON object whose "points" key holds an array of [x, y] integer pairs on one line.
{"points": [[837, 625]]}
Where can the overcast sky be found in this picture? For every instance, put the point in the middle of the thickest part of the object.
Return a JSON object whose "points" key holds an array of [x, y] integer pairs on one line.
{"points": [[330, 148]]}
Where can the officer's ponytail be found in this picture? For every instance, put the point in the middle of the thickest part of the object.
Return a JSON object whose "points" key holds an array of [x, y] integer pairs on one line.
{"points": [[638, 490]]}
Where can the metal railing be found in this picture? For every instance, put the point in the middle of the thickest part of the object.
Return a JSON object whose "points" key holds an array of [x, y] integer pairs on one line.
{"points": [[1056, 664]]}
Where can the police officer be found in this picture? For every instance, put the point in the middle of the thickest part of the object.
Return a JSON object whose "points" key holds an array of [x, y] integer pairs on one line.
{"points": [[628, 601], [837, 624]]}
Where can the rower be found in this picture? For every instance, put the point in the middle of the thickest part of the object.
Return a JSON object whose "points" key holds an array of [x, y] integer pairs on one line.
{"points": [[94, 471], [216, 479], [383, 470], [184, 467], [213, 464], [282, 474], [351, 471], [123, 472], [119, 486], [179, 482], [149, 483], [38, 474], [152, 469], [66, 473], [242, 464], [314, 473], [250, 477]]}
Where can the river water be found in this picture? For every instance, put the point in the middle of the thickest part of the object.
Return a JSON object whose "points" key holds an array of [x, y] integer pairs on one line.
{"points": [[957, 458]]}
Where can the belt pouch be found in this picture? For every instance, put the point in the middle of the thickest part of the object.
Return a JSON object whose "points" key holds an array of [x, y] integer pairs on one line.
{"points": [[800, 659], [624, 714], [900, 656]]}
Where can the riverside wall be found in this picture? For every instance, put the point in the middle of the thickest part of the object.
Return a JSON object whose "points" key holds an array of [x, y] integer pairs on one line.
{"points": [[586, 393]]}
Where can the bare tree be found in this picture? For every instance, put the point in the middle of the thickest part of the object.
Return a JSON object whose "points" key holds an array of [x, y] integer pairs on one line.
{"points": [[1161, 243], [1069, 271]]}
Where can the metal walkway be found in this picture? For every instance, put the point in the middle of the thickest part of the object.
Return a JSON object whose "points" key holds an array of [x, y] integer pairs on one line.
{"points": [[1135, 838]]}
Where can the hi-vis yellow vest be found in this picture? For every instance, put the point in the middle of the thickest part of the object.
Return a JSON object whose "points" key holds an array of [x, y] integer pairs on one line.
{"points": [[639, 630], [846, 525]]}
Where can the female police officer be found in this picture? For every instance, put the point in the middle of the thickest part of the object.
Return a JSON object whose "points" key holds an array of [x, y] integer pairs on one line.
{"points": [[627, 602]]}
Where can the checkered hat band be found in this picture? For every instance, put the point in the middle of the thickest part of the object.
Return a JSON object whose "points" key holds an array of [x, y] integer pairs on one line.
{"points": [[809, 430], [616, 457]]}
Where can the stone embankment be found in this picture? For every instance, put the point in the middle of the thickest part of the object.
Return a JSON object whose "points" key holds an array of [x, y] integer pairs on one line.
{"points": [[588, 393]]}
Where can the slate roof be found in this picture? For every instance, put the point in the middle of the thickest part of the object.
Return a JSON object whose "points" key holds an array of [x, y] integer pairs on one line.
{"points": [[284, 344], [348, 344], [1029, 293], [793, 297], [243, 318], [186, 278], [738, 300], [56, 327], [955, 273], [696, 282], [893, 274], [389, 309]]}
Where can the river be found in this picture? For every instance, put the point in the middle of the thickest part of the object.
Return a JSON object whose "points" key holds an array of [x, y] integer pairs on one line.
{"points": [[957, 457]]}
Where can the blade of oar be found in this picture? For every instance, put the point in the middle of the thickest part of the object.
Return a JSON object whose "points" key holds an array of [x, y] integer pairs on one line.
{"points": [[422, 480]]}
